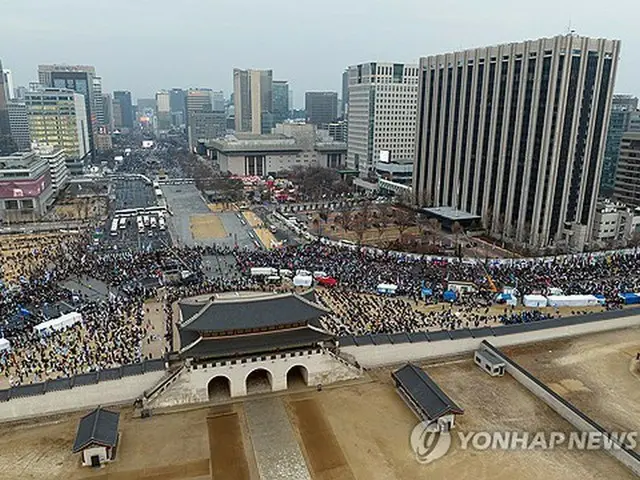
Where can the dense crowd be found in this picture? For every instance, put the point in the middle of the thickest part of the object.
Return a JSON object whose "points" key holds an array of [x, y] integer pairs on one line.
{"points": [[114, 328]]}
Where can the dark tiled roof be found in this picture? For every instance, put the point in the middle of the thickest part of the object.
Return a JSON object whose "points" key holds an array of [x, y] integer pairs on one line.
{"points": [[267, 342], [424, 392], [98, 427], [243, 314]]}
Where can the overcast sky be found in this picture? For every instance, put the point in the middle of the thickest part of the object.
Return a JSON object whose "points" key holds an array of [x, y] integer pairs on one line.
{"points": [[148, 45]]}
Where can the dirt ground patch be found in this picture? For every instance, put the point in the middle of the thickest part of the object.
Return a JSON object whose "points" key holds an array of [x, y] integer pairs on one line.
{"points": [[163, 447], [322, 452], [594, 372], [373, 425], [226, 448], [205, 227]]}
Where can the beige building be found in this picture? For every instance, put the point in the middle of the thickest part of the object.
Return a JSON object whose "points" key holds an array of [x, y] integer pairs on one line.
{"points": [[247, 154], [627, 180], [58, 117], [515, 133], [253, 100], [381, 114], [615, 224]]}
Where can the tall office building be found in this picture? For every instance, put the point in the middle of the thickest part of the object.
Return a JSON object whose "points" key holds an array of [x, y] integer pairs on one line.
{"points": [[622, 109], [217, 101], [58, 117], [321, 107], [97, 102], [381, 114], [125, 108], [163, 107], [80, 79], [19, 125], [177, 101], [280, 101], [8, 84], [253, 100], [515, 134], [107, 108], [345, 94], [202, 121], [5, 129], [627, 177]]}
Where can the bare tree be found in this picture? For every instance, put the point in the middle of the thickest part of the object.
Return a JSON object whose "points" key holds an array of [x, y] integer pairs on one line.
{"points": [[457, 230], [404, 219]]}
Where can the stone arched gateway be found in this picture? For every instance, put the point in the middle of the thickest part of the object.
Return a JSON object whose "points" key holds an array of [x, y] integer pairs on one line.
{"points": [[297, 376], [259, 380], [219, 388]]}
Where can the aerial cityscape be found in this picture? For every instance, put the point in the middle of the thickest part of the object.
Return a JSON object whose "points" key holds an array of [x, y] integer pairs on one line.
{"points": [[398, 269]]}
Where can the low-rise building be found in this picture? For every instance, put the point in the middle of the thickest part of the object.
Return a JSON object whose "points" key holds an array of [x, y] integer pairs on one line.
{"points": [[290, 145], [97, 437], [26, 191], [57, 159], [615, 222]]}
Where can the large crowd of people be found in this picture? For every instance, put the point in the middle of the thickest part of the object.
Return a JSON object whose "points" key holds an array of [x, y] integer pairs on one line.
{"points": [[113, 329]]}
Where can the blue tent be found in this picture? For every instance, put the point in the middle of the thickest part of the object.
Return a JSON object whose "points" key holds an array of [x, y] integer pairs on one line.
{"points": [[630, 298], [449, 296], [426, 292]]}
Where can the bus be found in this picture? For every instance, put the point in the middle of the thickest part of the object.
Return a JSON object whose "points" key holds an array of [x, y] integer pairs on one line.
{"points": [[114, 227], [140, 225], [123, 223], [146, 220], [162, 223], [154, 222]]}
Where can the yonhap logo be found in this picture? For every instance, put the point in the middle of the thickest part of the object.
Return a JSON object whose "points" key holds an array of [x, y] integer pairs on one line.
{"points": [[428, 443]]}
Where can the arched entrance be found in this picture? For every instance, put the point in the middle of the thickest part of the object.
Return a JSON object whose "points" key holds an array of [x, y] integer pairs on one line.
{"points": [[259, 380], [219, 388], [297, 377]]}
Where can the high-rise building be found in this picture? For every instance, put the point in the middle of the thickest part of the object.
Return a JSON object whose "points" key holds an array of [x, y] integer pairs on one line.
{"points": [[202, 121], [345, 94], [107, 108], [381, 114], [58, 117], [80, 79], [280, 101], [621, 110], [163, 106], [5, 129], [98, 105], [8, 84], [253, 100], [123, 98], [217, 101], [515, 134], [321, 107], [177, 101], [19, 125], [627, 179]]}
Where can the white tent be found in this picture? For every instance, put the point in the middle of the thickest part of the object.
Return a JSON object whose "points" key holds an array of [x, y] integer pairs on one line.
{"points": [[388, 288], [5, 345], [534, 301], [572, 300], [302, 280], [66, 320]]}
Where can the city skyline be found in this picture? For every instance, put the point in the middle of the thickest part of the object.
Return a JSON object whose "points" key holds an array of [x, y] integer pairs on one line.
{"points": [[125, 62]]}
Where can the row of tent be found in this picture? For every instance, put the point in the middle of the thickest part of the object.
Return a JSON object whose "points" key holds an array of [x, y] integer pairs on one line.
{"points": [[538, 301]]}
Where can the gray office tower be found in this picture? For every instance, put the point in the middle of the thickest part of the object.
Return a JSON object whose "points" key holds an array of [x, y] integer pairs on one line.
{"points": [[7, 145], [177, 101], [280, 101], [253, 100], [515, 133], [123, 98], [622, 109], [321, 107]]}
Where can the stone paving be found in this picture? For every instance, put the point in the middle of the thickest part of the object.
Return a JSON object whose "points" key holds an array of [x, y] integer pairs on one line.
{"points": [[275, 446]]}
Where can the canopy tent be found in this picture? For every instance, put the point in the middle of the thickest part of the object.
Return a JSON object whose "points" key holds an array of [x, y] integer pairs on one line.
{"points": [[535, 301], [426, 292], [303, 280], [327, 281], [63, 321], [572, 300], [449, 296], [387, 289], [507, 298], [630, 298], [5, 345]]}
